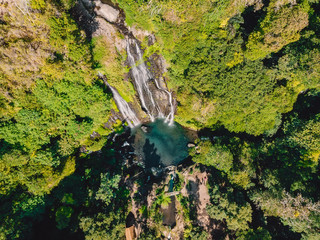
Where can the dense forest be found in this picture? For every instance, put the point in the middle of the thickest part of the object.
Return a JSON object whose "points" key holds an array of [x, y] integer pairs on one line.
{"points": [[245, 75]]}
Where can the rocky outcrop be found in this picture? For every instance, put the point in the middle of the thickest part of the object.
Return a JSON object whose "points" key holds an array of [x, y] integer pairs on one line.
{"points": [[110, 34], [107, 12], [156, 100], [104, 18]]}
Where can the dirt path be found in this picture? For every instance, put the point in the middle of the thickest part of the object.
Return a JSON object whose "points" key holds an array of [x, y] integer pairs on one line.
{"points": [[204, 200], [199, 191]]}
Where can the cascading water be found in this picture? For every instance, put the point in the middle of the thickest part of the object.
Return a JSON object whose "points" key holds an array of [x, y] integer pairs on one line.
{"points": [[160, 142], [141, 77], [170, 117], [129, 115]]}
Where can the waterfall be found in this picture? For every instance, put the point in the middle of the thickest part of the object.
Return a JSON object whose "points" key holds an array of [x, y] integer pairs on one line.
{"points": [[170, 117], [141, 77], [126, 111], [124, 108]]}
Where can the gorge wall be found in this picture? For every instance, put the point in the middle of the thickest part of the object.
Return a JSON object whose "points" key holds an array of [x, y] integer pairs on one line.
{"points": [[151, 98]]}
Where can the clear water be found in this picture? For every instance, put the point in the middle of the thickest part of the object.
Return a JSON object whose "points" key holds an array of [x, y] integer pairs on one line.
{"points": [[163, 144]]}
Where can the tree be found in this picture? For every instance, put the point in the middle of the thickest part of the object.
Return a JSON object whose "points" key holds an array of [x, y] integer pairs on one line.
{"points": [[217, 155], [108, 185], [280, 27], [103, 226], [230, 208], [300, 213], [163, 200], [259, 234], [63, 215]]}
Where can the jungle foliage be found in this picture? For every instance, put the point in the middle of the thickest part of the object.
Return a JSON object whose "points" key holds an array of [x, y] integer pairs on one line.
{"points": [[247, 67], [246, 72], [240, 64], [50, 98], [277, 175], [50, 103]]}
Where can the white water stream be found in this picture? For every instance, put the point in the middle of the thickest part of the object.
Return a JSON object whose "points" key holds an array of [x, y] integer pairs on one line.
{"points": [[141, 77], [126, 111], [170, 117]]}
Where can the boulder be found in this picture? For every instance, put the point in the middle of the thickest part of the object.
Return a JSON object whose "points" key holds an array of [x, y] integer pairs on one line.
{"points": [[145, 129], [106, 11], [94, 135], [156, 171], [191, 145], [83, 149]]}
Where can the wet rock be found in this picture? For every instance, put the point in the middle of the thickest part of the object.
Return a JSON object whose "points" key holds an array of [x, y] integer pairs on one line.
{"points": [[114, 137], [114, 117], [145, 129], [87, 4], [106, 11], [156, 171], [83, 149], [171, 169], [151, 39], [94, 135], [191, 145], [84, 15]]}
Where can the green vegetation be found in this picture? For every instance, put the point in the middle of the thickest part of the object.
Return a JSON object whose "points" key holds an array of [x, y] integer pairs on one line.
{"points": [[276, 174], [231, 207], [281, 26], [53, 113], [217, 155], [231, 62], [162, 200], [241, 65], [51, 102], [110, 62], [244, 73]]}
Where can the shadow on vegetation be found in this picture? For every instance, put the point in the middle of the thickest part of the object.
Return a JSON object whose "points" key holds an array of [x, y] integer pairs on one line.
{"points": [[82, 186], [279, 231], [84, 18]]}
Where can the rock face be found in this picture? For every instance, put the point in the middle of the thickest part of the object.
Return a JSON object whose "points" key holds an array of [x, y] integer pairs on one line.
{"points": [[106, 19], [153, 94], [87, 4], [106, 11], [110, 33]]}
